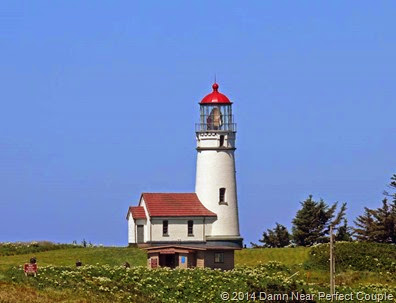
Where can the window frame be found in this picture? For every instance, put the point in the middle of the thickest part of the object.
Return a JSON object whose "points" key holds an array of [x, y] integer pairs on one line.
{"points": [[220, 255], [165, 228], [222, 195], [190, 234]]}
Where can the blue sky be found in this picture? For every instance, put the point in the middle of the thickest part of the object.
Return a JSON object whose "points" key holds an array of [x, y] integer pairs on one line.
{"points": [[99, 100]]}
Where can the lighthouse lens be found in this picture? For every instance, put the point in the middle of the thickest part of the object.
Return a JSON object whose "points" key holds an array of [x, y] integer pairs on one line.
{"points": [[216, 117]]}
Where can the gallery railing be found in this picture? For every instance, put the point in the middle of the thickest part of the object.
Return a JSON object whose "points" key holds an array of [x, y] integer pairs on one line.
{"points": [[203, 127]]}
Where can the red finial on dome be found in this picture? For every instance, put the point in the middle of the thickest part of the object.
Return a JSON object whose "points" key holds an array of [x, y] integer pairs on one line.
{"points": [[215, 97]]}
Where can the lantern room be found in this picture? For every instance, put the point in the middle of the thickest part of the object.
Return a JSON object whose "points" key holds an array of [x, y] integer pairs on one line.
{"points": [[215, 112]]}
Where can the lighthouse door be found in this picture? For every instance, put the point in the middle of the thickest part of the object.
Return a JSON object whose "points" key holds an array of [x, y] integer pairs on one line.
{"points": [[140, 234]]}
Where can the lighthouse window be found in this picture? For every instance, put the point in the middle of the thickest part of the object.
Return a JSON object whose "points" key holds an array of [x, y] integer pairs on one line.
{"points": [[222, 195], [219, 257], [165, 228], [190, 228], [222, 140]]}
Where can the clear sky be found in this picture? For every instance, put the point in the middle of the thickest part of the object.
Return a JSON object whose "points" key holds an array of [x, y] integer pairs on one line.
{"points": [[99, 100]]}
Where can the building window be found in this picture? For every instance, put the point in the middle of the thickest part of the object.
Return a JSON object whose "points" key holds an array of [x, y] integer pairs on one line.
{"points": [[222, 195], [165, 228], [219, 257], [190, 228], [221, 140]]}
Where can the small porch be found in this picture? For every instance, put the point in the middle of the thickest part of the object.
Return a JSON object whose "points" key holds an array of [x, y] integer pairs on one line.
{"points": [[176, 256], [173, 256]]}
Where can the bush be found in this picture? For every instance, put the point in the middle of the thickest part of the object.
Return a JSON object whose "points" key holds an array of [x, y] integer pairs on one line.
{"points": [[139, 284], [358, 256], [21, 248], [162, 285]]}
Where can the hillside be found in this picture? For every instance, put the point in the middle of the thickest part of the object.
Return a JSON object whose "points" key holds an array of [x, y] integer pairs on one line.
{"points": [[88, 256], [286, 269], [136, 257]]}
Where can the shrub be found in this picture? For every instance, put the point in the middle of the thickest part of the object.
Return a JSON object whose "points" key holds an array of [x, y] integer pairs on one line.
{"points": [[358, 256], [162, 284], [120, 284], [20, 248]]}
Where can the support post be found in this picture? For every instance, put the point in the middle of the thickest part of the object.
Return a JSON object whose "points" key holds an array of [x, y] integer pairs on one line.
{"points": [[332, 264]]}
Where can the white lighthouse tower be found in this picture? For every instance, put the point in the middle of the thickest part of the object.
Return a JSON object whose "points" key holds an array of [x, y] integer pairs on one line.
{"points": [[215, 180]]}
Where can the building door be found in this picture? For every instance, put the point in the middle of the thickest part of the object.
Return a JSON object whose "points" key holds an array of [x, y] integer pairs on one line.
{"points": [[169, 260], [140, 234], [172, 260]]}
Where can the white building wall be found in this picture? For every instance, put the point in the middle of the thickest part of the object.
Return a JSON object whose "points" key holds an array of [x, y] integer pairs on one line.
{"points": [[147, 229], [132, 226], [131, 229], [215, 170], [208, 225], [178, 229]]}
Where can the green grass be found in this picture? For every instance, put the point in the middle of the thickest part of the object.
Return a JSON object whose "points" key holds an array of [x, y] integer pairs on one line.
{"points": [[294, 258], [297, 257], [17, 293], [287, 256], [136, 257], [88, 256], [21, 248]]}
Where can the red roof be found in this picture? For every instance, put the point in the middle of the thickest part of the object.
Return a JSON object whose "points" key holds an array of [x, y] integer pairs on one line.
{"points": [[215, 97], [175, 205], [137, 212]]}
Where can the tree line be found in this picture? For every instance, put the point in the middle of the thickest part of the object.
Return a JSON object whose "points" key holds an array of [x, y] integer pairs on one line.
{"points": [[311, 225]]}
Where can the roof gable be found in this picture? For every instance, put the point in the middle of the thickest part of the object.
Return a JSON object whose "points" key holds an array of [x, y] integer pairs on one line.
{"points": [[175, 205], [137, 212]]}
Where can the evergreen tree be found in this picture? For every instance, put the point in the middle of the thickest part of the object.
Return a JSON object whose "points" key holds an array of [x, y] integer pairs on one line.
{"points": [[392, 186], [385, 223], [343, 232], [379, 225], [365, 226], [277, 237], [311, 224], [254, 245]]}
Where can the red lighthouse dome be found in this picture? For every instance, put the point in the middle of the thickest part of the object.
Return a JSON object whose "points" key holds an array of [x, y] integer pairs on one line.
{"points": [[215, 97]]}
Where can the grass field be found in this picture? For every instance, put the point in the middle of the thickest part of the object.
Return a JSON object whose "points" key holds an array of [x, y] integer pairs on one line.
{"points": [[88, 256], [135, 257], [287, 256], [12, 293], [113, 256], [293, 258]]}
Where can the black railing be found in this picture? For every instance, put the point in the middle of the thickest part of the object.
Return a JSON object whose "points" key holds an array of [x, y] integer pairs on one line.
{"points": [[204, 127]]}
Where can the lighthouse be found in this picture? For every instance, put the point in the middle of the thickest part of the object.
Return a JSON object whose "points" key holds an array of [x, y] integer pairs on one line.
{"points": [[201, 228], [216, 175]]}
